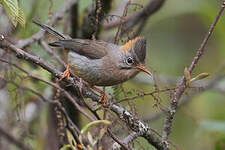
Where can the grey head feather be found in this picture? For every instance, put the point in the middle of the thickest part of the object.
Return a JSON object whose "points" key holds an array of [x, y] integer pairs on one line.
{"points": [[139, 49]]}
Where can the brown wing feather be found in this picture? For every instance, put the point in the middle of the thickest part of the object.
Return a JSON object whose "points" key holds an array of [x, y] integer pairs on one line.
{"points": [[89, 48]]}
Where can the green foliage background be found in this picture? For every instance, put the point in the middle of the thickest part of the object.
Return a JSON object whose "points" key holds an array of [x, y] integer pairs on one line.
{"points": [[173, 35]]}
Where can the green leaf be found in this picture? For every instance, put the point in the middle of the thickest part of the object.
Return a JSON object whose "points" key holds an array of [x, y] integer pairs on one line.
{"points": [[12, 10], [71, 140], [85, 128], [90, 138], [21, 18], [65, 147], [200, 76], [100, 135]]}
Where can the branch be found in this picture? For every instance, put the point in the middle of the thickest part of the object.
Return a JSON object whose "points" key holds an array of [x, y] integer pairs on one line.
{"points": [[121, 144], [152, 7], [137, 126], [181, 86], [38, 61], [65, 7], [27, 89], [132, 122], [211, 85], [126, 140], [12, 139], [117, 36], [51, 52]]}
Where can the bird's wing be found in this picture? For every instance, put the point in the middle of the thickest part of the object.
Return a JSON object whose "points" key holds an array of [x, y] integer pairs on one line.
{"points": [[93, 49]]}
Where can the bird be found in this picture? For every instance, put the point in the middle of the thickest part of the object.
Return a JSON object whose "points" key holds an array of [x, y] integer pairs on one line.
{"points": [[102, 63]]}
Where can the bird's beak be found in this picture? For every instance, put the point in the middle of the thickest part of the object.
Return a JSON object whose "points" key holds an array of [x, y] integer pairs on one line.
{"points": [[142, 68]]}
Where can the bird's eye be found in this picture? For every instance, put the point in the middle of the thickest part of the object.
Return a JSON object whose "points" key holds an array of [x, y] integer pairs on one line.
{"points": [[129, 61]]}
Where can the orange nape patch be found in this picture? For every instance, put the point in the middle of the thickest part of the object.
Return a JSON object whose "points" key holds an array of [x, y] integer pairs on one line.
{"points": [[127, 46]]}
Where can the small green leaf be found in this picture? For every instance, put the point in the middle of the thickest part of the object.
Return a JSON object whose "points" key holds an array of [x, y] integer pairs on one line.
{"points": [[80, 138], [90, 138], [65, 147], [85, 128], [71, 140], [200, 76], [21, 18], [100, 135], [12, 10]]}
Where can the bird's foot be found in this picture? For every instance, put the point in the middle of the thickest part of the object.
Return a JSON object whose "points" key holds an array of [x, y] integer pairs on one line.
{"points": [[102, 99], [66, 73]]}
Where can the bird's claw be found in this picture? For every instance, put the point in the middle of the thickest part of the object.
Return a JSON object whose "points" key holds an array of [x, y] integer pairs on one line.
{"points": [[102, 99], [66, 73]]}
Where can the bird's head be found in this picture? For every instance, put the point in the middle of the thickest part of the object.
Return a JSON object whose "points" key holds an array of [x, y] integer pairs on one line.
{"points": [[133, 55]]}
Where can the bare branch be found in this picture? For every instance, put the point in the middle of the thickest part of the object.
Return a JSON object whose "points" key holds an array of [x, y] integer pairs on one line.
{"points": [[65, 7], [28, 89], [211, 85], [152, 7], [32, 58], [50, 51], [123, 145], [181, 86], [137, 126], [121, 22], [126, 140], [4, 133], [132, 122]]}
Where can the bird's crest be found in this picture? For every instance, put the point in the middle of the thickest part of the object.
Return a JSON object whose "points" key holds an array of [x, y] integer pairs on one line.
{"points": [[128, 46]]}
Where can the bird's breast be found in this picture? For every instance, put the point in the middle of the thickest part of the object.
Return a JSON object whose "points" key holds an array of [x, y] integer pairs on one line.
{"points": [[100, 72]]}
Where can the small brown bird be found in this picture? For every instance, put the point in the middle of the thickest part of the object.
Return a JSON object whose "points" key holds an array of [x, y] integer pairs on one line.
{"points": [[101, 63]]}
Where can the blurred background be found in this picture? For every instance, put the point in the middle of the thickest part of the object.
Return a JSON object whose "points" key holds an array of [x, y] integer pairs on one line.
{"points": [[173, 34]]}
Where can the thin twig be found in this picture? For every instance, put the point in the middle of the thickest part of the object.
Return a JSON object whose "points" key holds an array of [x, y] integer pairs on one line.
{"points": [[131, 121], [211, 85], [126, 140], [123, 145], [72, 99], [137, 126], [50, 51], [65, 7], [4, 133], [28, 89], [152, 7], [143, 95], [181, 86], [117, 36]]}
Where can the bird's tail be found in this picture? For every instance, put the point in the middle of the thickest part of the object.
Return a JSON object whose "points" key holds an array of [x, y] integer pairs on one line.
{"points": [[51, 30], [56, 44]]}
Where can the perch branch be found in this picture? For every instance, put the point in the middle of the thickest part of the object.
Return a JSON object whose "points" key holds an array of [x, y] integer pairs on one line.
{"points": [[126, 140], [132, 122], [38, 61]]}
